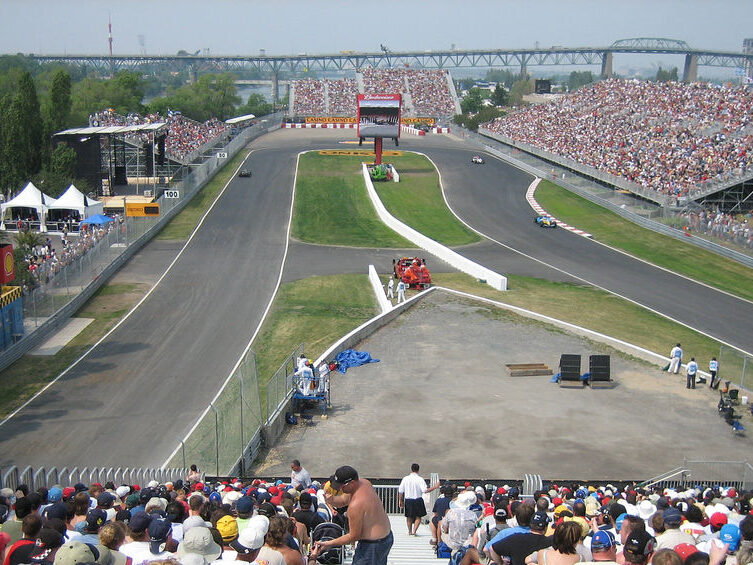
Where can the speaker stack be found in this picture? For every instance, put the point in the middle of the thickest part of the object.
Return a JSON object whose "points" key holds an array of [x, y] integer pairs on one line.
{"points": [[570, 371]]}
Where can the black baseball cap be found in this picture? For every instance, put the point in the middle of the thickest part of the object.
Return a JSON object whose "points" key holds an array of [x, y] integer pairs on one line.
{"points": [[638, 546], [343, 476]]}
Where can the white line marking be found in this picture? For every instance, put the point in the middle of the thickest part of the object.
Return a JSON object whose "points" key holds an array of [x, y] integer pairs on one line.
{"points": [[576, 277], [258, 327], [132, 310]]}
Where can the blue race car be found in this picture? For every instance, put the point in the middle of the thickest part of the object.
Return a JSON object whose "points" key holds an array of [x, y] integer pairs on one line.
{"points": [[545, 222]]}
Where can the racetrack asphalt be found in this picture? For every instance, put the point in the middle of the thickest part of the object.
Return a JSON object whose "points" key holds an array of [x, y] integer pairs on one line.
{"points": [[131, 399]]}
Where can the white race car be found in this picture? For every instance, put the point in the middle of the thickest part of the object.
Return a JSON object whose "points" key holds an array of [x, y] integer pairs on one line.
{"points": [[477, 159]]}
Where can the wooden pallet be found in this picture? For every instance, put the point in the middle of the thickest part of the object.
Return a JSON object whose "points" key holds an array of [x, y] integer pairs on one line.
{"points": [[528, 369], [602, 384], [572, 384]]}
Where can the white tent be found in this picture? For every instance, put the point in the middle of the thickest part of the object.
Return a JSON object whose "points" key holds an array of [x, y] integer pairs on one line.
{"points": [[30, 197], [74, 199]]}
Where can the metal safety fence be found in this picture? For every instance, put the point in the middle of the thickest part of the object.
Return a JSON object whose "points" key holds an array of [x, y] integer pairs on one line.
{"points": [[34, 478], [64, 289], [734, 366], [738, 474], [227, 436]]}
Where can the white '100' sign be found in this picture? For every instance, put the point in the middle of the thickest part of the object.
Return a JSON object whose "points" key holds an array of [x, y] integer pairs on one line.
{"points": [[172, 194]]}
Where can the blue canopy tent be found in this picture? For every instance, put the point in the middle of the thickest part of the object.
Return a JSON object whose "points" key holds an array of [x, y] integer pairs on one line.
{"points": [[97, 220]]}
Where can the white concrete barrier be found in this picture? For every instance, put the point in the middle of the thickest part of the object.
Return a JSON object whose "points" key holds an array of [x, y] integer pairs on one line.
{"points": [[461, 263], [384, 304]]}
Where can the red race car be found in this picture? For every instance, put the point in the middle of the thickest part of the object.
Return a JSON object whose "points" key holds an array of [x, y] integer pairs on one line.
{"points": [[412, 271]]}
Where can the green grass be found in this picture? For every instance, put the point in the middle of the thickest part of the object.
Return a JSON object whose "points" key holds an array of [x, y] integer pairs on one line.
{"points": [[182, 225], [316, 311], [333, 208], [28, 375], [675, 255], [417, 201], [590, 308]]}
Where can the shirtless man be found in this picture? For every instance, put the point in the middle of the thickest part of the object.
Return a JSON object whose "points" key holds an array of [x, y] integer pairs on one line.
{"points": [[367, 521]]}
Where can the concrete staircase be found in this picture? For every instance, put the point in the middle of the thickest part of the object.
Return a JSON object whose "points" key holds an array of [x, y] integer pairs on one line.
{"points": [[411, 550]]}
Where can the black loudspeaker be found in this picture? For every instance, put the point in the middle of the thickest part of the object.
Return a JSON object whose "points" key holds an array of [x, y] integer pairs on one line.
{"points": [[599, 367], [569, 367]]}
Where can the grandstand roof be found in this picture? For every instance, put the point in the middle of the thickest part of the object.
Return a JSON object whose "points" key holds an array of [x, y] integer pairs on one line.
{"points": [[240, 119], [114, 129]]}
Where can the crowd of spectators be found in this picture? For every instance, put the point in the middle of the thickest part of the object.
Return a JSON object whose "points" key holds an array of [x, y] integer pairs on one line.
{"points": [[308, 97], [184, 135], [188, 522], [575, 523], [342, 96], [197, 522], [45, 262], [673, 138], [728, 227], [428, 91]]}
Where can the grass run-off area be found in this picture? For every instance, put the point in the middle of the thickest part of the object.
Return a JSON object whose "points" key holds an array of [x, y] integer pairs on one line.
{"points": [[664, 251], [590, 308], [333, 208], [28, 375], [316, 311]]}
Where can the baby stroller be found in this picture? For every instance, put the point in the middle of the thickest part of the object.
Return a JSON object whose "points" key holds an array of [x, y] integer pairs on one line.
{"points": [[324, 532]]}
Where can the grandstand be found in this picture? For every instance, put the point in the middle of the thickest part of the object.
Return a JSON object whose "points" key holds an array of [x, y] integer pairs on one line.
{"points": [[426, 93], [676, 140]]}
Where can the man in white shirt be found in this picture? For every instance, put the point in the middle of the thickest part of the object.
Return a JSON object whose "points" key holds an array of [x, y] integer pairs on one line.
{"points": [[410, 496], [675, 359], [299, 477]]}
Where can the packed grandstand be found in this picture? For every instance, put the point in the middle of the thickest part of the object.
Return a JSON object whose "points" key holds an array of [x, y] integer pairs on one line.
{"points": [[426, 93], [195, 521], [670, 137], [184, 135]]}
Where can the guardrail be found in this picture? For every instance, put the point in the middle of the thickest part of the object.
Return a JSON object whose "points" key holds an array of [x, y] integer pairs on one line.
{"points": [[492, 145], [35, 478]]}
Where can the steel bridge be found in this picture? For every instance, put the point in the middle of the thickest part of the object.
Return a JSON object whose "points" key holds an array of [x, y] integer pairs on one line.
{"points": [[274, 65]]}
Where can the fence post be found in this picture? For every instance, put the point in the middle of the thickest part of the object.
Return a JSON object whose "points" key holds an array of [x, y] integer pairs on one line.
{"points": [[216, 440], [183, 451], [240, 407]]}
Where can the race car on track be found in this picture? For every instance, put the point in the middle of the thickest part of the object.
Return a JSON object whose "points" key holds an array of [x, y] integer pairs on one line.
{"points": [[412, 271], [545, 221], [245, 173], [477, 160]]}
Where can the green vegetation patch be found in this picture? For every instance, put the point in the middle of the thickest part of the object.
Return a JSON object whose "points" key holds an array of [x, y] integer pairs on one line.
{"points": [[24, 378], [333, 208], [182, 225], [417, 201], [675, 255], [591, 308], [316, 311]]}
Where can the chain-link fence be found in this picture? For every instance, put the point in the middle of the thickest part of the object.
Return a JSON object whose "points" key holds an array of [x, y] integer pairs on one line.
{"points": [[734, 366], [64, 288], [281, 383], [228, 434]]}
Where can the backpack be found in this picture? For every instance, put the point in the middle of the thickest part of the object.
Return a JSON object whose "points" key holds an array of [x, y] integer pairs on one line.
{"points": [[443, 550]]}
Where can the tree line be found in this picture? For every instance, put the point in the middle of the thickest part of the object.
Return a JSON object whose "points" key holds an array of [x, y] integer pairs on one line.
{"points": [[36, 101]]}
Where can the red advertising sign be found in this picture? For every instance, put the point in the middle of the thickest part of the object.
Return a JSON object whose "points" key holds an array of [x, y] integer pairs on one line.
{"points": [[8, 269]]}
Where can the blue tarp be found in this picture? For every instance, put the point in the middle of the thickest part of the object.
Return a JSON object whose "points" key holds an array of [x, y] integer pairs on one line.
{"points": [[97, 219], [353, 358]]}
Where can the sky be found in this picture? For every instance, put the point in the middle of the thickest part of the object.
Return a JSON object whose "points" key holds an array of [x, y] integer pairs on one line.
{"points": [[285, 27]]}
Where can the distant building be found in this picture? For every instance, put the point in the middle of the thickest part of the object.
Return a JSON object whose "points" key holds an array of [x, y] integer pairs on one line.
{"points": [[748, 50]]}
